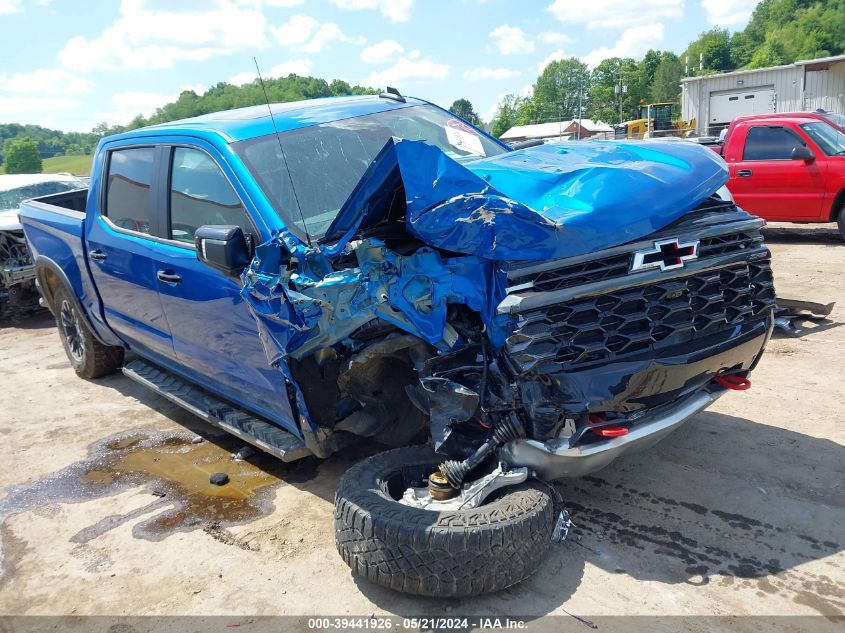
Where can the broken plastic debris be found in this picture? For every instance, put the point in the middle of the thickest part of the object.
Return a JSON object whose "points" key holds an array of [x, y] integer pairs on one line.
{"points": [[562, 527]]}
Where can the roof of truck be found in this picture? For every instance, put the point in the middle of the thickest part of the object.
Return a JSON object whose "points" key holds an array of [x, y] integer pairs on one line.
{"points": [[254, 121]]}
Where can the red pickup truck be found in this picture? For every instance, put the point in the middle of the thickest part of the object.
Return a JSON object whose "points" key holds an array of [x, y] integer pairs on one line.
{"points": [[787, 168]]}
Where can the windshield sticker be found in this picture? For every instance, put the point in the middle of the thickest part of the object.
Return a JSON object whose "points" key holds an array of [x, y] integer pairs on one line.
{"points": [[462, 137]]}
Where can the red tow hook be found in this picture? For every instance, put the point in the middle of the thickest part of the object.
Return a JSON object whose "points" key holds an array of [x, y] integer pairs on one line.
{"points": [[605, 431], [732, 381]]}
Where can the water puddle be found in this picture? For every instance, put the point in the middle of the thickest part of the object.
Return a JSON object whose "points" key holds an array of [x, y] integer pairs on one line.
{"points": [[173, 468]]}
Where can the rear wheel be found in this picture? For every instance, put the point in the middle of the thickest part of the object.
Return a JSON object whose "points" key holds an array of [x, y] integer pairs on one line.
{"points": [[443, 554], [88, 356], [840, 220]]}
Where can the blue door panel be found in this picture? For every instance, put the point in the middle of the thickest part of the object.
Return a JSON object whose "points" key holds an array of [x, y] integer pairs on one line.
{"points": [[215, 337], [126, 281]]}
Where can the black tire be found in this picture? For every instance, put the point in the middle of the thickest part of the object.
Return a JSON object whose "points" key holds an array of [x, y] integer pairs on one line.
{"points": [[88, 356], [441, 554], [840, 220]]}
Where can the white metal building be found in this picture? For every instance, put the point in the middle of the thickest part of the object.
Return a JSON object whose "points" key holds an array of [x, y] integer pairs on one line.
{"points": [[558, 131], [714, 100]]}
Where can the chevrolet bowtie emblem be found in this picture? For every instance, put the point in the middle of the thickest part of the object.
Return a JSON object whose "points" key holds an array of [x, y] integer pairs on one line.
{"points": [[666, 255]]}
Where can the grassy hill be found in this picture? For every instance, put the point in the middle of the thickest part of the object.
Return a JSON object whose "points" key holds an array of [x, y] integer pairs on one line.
{"points": [[79, 165]]}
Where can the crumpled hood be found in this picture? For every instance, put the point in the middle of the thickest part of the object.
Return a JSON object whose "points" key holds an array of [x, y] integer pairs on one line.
{"points": [[539, 203]]}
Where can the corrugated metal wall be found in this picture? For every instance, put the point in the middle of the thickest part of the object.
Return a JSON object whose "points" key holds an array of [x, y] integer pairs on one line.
{"points": [[824, 89]]}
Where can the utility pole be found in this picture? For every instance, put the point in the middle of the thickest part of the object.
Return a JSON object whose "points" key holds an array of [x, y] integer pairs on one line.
{"points": [[621, 90], [580, 94]]}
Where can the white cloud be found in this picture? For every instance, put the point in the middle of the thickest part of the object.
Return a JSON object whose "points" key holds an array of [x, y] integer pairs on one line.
{"points": [[393, 10], [632, 43], [551, 57], [139, 101], [283, 4], [144, 37], [20, 107], [554, 38], [381, 52], [511, 40], [45, 82], [406, 69], [292, 67], [616, 14], [301, 67], [307, 34], [728, 12], [130, 103], [10, 6], [482, 72]]}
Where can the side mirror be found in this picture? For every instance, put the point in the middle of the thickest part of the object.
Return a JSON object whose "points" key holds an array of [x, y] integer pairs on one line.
{"points": [[223, 248], [802, 152]]}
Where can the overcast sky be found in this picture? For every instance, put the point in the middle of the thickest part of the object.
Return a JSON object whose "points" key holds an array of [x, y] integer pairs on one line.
{"points": [[70, 64]]}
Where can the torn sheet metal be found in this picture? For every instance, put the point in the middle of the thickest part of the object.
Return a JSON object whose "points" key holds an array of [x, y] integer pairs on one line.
{"points": [[539, 203], [305, 306]]}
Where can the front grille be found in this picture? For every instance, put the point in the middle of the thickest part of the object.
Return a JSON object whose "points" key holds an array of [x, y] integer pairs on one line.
{"points": [[617, 266], [623, 323]]}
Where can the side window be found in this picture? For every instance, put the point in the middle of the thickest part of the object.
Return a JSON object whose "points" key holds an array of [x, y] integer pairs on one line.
{"points": [[770, 143], [129, 203], [201, 194]]}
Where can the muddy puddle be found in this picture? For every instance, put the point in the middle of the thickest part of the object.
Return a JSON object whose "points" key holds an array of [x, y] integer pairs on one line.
{"points": [[174, 468]]}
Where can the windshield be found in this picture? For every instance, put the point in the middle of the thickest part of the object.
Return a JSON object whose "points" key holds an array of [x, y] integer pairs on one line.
{"points": [[833, 117], [12, 198], [829, 139], [322, 164]]}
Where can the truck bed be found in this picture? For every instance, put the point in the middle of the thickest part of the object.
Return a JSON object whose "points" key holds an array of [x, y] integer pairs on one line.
{"points": [[54, 229]]}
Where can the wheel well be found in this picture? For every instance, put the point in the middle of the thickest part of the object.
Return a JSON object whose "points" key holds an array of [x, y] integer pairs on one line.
{"points": [[50, 282], [838, 202]]}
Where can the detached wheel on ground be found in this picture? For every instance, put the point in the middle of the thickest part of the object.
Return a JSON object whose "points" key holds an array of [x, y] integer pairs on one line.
{"points": [[443, 554], [88, 356]]}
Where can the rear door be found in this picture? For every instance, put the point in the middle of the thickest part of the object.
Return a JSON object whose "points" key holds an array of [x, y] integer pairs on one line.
{"points": [[122, 245], [767, 182], [214, 335]]}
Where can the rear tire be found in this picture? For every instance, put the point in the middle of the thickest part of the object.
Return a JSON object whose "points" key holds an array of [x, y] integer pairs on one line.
{"points": [[88, 356], [441, 554], [840, 220]]}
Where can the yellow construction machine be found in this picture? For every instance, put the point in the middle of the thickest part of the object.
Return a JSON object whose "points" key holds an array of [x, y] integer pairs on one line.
{"points": [[653, 121]]}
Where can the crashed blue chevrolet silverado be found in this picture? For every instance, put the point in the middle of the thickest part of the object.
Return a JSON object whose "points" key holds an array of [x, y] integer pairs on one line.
{"points": [[319, 275]]}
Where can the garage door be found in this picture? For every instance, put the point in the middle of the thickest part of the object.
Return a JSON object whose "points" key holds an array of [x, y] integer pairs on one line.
{"points": [[726, 106]]}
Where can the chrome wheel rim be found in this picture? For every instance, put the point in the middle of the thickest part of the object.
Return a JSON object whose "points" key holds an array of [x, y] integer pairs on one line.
{"points": [[72, 331]]}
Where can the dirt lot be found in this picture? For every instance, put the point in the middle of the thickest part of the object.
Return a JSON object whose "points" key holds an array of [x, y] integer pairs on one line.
{"points": [[106, 506]]}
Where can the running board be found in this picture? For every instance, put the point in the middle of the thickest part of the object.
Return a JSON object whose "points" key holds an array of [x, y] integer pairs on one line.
{"points": [[268, 437]]}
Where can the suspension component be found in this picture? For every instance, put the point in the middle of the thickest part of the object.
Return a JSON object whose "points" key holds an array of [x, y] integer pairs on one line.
{"points": [[505, 430]]}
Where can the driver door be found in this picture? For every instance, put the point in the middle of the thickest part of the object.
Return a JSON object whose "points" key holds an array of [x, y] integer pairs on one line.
{"points": [[215, 337], [121, 245]]}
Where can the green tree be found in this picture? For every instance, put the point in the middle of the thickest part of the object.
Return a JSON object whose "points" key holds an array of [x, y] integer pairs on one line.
{"points": [[560, 89], [21, 156], [666, 85], [463, 108], [507, 115], [605, 85], [713, 49]]}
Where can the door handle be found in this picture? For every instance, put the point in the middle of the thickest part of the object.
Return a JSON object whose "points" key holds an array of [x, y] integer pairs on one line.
{"points": [[168, 278], [744, 173], [98, 256]]}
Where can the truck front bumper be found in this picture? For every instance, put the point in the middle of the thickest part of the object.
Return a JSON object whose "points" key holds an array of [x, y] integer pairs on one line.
{"points": [[555, 459]]}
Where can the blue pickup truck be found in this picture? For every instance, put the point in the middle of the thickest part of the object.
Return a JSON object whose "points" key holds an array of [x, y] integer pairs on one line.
{"points": [[318, 275]]}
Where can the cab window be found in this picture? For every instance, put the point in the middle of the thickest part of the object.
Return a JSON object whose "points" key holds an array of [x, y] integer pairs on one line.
{"points": [[770, 143], [129, 203], [201, 194]]}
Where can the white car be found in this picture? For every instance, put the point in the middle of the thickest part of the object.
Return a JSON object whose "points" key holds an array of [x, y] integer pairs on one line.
{"points": [[17, 273]]}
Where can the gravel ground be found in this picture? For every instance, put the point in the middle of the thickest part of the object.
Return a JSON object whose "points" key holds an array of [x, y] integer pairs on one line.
{"points": [[106, 506]]}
